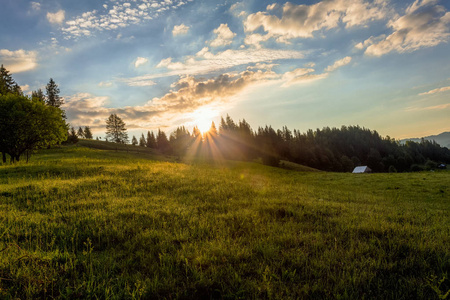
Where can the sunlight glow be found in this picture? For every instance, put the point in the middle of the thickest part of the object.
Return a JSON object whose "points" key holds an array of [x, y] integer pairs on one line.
{"points": [[203, 117]]}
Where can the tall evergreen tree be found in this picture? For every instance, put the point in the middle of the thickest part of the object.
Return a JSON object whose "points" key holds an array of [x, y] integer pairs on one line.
{"points": [[142, 141], [80, 132], [87, 133], [115, 129], [38, 95], [151, 140], [72, 136], [53, 98], [162, 142], [7, 83], [134, 141]]}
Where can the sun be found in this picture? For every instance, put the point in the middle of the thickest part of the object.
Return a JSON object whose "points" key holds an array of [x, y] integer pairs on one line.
{"points": [[203, 125], [202, 118]]}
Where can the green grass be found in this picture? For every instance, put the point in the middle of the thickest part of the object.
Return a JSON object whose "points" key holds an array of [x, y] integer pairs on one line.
{"points": [[79, 223]]}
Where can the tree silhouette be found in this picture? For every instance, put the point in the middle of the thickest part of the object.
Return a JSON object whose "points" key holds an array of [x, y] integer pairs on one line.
{"points": [[72, 137], [142, 141], [162, 142], [80, 132], [151, 140], [87, 133], [134, 141], [115, 129]]}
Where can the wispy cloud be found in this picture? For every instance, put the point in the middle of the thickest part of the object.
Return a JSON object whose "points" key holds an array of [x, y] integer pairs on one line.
{"points": [[35, 6], [339, 63], [206, 62], [121, 14], [180, 29], [19, 60], [301, 75], [105, 84], [306, 75], [435, 91], [423, 25], [435, 107]]}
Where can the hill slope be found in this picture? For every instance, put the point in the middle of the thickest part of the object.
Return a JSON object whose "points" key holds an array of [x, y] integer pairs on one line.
{"points": [[443, 139], [84, 223]]}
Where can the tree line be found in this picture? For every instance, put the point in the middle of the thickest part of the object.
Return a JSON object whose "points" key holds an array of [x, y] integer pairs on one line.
{"points": [[29, 122], [329, 149]]}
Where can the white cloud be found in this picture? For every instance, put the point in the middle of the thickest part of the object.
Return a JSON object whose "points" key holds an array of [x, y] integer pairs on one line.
{"points": [[189, 94], [140, 61], [272, 6], [438, 90], [57, 17], [301, 75], [35, 6], [255, 39], [140, 81], [423, 25], [224, 36], [25, 88], [18, 61], [435, 107], [306, 75], [206, 62], [180, 29], [302, 21], [338, 64], [105, 84], [116, 16]]}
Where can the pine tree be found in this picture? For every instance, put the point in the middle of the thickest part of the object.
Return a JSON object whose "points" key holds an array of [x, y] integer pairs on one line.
{"points": [[115, 129], [72, 136], [38, 95], [88, 133], [80, 132], [142, 141], [7, 83], [53, 98], [151, 140], [196, 132], [134, 141], [162, 142], [213, 130]]}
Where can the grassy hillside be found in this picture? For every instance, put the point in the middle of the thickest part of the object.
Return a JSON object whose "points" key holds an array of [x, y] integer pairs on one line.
{"points": [[82, 223]]}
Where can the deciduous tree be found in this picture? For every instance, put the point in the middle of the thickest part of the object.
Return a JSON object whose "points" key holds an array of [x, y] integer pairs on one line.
{"points": [[115, 129], [28, 124]]}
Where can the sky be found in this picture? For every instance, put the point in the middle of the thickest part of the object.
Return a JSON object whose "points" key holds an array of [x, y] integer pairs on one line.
{"points": [[304, 64]]}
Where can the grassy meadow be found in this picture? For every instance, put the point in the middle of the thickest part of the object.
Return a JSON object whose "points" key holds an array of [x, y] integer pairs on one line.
{"points": [[80, 223]]}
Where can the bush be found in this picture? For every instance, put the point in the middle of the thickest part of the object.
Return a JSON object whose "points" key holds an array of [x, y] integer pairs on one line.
{"points": [[392, 169]]}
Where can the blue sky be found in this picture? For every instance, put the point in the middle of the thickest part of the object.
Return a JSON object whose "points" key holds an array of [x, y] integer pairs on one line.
{"points": [[381, 64]]}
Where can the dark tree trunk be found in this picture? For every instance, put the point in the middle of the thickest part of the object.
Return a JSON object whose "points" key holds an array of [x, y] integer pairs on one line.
{"points": [[4, 157]]}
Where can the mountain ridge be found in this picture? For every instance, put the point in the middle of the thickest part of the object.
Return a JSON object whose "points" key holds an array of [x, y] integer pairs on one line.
{"points": [[443, 139]]}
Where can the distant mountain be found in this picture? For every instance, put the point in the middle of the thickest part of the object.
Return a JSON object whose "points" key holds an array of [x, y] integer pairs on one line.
{"points": [[442, 139]]}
